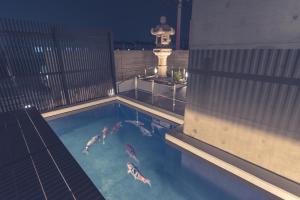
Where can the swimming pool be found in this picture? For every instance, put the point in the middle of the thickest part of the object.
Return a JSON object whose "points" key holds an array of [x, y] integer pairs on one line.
{"points": [[174, 173]]}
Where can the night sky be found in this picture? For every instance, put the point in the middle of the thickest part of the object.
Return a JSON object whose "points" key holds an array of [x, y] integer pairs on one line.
{"points": [[129, 20]]}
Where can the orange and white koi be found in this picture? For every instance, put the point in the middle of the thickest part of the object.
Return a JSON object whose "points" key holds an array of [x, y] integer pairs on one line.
{"points": [[133, 170]]}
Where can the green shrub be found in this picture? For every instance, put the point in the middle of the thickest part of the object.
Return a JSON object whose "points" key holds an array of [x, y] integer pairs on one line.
{"points": [[177, 76]]}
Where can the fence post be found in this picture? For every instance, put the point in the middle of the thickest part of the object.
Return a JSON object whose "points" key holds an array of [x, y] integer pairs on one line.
{"points": [[118, 87], [152, 90], [135, 86], [174, 96]]}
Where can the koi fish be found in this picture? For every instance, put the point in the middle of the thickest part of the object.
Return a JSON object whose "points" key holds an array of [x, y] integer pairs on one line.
{"points": [[145, 131], [135, 123], [133, 170], [105, 132], [92, 141], [117, 126], [130, 151]]}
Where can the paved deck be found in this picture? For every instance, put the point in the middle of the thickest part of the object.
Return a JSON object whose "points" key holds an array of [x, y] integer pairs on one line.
{"points": [[34, 164]]}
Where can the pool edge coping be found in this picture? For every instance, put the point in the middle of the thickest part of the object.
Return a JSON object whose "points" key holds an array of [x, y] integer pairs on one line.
{"points": [[77, 107], [265, 185], [152, 111], [111, 99]]}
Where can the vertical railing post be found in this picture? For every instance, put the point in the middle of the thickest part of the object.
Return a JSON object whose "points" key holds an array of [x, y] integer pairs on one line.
{"points": [[152, 90], [118, 87], [135, 86], [112, 60], [174, 96]]}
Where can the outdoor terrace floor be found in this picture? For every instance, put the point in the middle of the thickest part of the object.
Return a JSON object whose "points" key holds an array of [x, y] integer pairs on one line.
{"points": [[34, 164]]}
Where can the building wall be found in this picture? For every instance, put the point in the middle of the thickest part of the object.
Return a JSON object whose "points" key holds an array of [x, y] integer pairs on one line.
{"points": [[240, 23], [244, 84], [132, 63]]}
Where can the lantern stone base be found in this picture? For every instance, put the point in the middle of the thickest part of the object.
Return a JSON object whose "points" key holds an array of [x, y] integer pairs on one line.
{"points": [[162, 55]]}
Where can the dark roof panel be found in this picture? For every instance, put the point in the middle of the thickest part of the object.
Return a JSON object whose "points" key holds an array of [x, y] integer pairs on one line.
{"points": [[46, 132], [32, 138], [12, 144], [46, 169], [81, 185], [19, 181], [53, 183]]}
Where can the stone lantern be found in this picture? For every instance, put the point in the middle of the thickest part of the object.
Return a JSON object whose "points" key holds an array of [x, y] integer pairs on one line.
{"points": [[163, 34]]}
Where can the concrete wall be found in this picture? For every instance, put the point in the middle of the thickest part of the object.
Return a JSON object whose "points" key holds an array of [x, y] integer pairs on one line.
{"points": [[132, 63], [244, 83], [243, 23]]}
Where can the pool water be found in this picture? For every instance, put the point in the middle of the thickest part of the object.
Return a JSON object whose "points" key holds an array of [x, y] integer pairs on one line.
{"points": [[174, 173]]}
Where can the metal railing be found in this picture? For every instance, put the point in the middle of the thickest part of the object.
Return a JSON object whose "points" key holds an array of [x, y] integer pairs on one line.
{"points": [[154, 93], [125, 72]]}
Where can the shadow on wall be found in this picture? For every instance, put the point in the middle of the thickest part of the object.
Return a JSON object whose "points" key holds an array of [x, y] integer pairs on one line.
{"points": [[247, 102]]}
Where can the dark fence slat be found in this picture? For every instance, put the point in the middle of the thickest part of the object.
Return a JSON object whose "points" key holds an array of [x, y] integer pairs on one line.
{"points": [[50, 66]]}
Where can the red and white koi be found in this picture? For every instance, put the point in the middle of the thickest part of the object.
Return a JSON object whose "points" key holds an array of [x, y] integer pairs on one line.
{"points": [[116, 128], [105, 132], [133, 170], [130, 151], [92, 141]]}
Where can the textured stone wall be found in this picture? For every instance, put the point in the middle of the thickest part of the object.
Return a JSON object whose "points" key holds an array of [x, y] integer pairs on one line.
{"points": [[132, 63], [244, 84]]}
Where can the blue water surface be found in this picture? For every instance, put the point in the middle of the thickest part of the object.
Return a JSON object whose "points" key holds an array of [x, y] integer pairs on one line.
{"points": [[174, 174]]}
